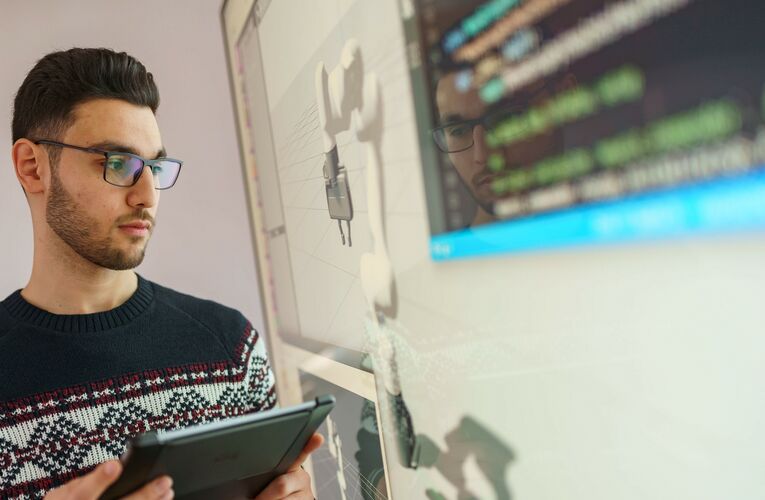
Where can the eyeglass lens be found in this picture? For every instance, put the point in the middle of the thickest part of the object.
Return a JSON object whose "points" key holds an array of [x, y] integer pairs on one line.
{"points": [[454, 138], [124, 170]]}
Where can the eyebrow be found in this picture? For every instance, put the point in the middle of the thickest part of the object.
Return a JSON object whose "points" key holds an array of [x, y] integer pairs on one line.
{"points": [[122, 148], [451, 119]]}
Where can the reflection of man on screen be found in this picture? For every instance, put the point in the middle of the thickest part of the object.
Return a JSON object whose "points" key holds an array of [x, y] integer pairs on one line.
{"points": [[465, 121], [461, 134]]}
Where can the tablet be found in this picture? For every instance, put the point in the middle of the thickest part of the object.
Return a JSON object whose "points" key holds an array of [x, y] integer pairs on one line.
{"points": [[231, 459]]}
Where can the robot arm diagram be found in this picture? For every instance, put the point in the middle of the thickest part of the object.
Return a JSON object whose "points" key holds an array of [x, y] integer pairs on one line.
{"points": [[350, 99], [338, 95]]}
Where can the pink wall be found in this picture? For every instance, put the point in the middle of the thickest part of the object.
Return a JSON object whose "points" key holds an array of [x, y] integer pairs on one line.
{"points": [[202, 244]]}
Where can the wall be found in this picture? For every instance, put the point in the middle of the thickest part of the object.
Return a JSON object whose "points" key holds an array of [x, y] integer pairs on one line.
{"points": [[202, 245]]}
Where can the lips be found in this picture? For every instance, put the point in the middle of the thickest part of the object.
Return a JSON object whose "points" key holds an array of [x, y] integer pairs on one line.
{"points": [[136, 228], [137, 225], [482, 178]]}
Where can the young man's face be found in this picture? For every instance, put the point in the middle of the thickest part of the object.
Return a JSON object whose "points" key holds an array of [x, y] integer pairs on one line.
{"points": [[471, 164], [107, 225]]}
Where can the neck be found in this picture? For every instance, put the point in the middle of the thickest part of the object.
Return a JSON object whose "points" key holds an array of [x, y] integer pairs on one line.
{"points": [[62, 282]]}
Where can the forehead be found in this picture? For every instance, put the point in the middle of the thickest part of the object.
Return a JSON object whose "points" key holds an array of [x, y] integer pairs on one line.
{"points": [[115, 121], [453, 101]]}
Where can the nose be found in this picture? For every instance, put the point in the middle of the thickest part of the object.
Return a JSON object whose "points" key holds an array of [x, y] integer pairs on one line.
{"points": [[480, 149], [142, 194]]}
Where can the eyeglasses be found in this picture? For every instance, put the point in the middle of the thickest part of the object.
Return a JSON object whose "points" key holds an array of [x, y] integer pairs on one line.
{"points": [[124, 169], [455, 137], [458, 136]]}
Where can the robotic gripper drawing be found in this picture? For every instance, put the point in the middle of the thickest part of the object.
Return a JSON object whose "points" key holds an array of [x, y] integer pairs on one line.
{"points": [[338, 93]]}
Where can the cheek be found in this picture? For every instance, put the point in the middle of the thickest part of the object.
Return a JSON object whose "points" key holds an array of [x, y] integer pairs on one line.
{"points": [[86, 201], [95, 207], [464, 163]]}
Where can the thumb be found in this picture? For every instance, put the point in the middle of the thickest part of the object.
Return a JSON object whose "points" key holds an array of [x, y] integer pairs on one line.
{"points": [[93, 484], [312, 445]]}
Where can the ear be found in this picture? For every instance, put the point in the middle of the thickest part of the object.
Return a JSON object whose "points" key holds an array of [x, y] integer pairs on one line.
{"points": [[31, 165]]}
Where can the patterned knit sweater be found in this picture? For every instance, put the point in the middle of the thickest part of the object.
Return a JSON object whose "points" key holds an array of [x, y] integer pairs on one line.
{"points": [[75, 388]]}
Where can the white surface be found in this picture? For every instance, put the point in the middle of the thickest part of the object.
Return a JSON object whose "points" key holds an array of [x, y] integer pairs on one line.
{"points": [[613, 372], [326, 273]]}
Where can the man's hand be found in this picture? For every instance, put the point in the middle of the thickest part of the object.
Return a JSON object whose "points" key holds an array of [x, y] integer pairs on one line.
{"points": [[92, 485], [295, 484]]}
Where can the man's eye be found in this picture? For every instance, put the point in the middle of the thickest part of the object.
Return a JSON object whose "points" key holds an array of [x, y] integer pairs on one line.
{"points": [[115, 164], [457, 130], [156, 170]]}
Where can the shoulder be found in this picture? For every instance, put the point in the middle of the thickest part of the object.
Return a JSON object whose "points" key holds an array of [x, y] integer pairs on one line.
{"points": [[224, 321], [206, 311], [7, 323]]}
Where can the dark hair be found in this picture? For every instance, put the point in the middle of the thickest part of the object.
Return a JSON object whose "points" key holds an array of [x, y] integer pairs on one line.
{"points": [[44, 104]]}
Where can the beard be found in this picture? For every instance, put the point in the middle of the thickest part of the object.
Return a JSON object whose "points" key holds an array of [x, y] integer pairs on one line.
{"points": [[486, 205], [78, 231]]}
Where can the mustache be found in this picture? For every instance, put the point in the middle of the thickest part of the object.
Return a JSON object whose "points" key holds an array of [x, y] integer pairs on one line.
{"points": [[137, 215]]}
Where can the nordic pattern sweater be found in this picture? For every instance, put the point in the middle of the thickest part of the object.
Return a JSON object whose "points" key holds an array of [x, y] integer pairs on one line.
{"points": [[75, 388]]}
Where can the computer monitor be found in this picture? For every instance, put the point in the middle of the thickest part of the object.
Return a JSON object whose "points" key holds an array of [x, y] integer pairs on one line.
{"points": [[561, 123]]}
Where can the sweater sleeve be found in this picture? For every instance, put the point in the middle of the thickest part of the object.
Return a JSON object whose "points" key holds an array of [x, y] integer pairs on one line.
{"points": [[244, 344], [260, 376]]}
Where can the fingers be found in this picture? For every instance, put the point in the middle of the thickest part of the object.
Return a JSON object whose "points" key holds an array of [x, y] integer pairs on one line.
{"points": [[160, 488], [91, 485], [296, 483], [301, 495], [313, 444], [292, 485]]}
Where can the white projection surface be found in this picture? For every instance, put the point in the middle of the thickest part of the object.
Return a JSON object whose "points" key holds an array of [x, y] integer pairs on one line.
{"points": [[627, 370]]}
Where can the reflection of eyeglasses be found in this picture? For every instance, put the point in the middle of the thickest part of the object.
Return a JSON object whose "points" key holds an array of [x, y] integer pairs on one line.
{"points": [[455, 137], [458, 136], [124, 169]]}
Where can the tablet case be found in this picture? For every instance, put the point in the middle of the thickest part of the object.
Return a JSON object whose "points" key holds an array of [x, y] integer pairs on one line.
{"points": [[231, 459]]}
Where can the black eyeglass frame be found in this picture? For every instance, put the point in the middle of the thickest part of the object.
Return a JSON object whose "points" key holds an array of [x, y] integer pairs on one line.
{"points": [[488, 120], [441, 130], [108, 154]]}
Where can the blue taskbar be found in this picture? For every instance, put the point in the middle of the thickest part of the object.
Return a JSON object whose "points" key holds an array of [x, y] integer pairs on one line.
{"points": [[716, 206]]}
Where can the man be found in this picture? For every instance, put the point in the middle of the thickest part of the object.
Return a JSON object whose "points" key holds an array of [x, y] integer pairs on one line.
{"points": [[464, 120], [92, 354], [462, 135]]}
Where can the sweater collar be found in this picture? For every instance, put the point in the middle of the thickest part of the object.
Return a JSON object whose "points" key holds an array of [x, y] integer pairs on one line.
{"points": [[24, 312]]}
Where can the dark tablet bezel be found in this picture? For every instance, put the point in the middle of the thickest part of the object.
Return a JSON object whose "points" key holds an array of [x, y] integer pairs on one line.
{"points": [[143, 461]]}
